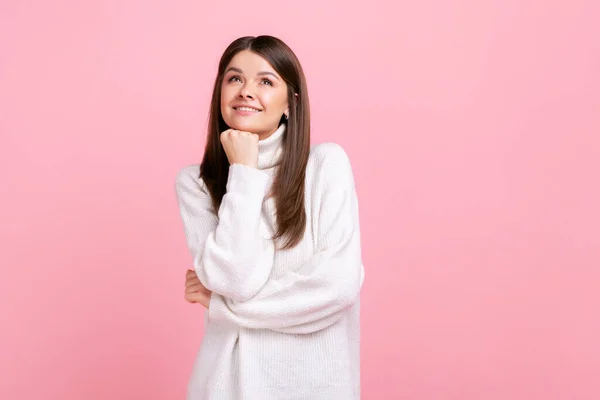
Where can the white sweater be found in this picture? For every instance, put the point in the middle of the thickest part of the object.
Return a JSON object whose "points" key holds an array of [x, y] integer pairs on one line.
{"points": [[281, 324]]}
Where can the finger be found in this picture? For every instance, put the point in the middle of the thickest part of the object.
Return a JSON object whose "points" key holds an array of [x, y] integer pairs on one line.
{"points": [[195, 288], [192, 281], [190, 273], [191, 298], [194, 297], [198, 288], [225, 135]]}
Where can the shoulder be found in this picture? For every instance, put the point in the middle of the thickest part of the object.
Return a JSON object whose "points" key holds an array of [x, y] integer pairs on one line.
{"points": [[330, 161], [188, 178], [329, 153]]}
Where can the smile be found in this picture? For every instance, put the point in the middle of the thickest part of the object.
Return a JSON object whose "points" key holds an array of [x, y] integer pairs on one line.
{"points": [[246, 109]]}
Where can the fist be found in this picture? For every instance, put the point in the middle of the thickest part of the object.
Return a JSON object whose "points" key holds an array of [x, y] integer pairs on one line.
{"points": [[195, 292], [241, 147]]}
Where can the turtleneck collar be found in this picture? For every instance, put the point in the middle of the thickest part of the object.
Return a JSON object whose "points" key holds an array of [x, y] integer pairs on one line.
{"points": [[270, 149]]}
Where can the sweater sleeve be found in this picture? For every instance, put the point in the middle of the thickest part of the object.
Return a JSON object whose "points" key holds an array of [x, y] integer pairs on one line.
{"points": [[232, 251], [328, 283]]}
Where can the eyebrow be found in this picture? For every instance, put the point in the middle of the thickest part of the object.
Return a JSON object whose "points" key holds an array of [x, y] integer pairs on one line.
{"points": [[259, 74]]}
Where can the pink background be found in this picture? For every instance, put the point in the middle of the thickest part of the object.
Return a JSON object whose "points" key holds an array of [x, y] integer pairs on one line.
{"points": [[473, 128]]}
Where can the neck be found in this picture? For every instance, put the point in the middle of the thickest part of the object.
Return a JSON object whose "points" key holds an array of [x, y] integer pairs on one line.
{"points": [[270, 149]]}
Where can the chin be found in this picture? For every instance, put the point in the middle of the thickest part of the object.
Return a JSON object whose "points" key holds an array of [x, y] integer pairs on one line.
{"points": [[243, 126]]}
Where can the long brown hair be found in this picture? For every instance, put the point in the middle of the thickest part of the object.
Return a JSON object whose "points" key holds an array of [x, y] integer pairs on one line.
{"points": [[288, 185]]}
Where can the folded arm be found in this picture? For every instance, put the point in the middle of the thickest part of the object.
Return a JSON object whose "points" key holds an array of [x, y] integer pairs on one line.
{"points": [[232, 251]]}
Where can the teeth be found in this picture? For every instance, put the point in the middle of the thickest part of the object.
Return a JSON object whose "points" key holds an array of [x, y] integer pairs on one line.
{"points": [[247, 109]]}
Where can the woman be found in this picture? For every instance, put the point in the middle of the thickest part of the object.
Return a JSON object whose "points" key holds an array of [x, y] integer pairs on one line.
{"points": [[272, 225]]}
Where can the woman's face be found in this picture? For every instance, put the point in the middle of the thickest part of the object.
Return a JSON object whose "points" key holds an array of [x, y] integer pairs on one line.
{"points": [[253, 95]]}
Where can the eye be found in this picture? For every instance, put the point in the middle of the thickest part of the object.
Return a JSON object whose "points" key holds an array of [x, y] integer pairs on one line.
{"points": [[234, 78], [267, 82]]}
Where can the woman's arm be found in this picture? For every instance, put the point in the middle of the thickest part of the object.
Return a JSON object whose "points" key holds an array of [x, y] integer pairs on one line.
{"points": [[314, 297], [232, 252]]}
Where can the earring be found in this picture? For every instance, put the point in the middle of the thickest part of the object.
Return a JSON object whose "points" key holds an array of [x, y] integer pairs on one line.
{"points": [[285, 116]]}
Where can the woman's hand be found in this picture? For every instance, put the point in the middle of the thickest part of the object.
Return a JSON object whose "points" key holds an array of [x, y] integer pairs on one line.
{"points": [[241, 147], [195, 292]]}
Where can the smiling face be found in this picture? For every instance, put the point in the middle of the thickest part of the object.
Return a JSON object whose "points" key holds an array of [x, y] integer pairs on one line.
{"points": [[253, 96]]}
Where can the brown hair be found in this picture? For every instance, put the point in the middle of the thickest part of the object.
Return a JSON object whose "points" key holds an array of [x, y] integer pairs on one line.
{"points": [[288, 185]]}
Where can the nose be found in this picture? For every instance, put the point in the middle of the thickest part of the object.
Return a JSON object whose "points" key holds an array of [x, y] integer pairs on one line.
{"points": [[245, 93]]}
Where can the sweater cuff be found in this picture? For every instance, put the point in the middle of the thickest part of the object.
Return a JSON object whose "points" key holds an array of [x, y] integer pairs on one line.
{"points": [[246, 180]]}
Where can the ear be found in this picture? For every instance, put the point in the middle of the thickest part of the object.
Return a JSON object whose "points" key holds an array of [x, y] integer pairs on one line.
{"points": [[286, 113]]}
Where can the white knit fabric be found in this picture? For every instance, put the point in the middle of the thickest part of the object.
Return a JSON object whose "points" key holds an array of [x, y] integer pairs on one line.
{"points": [[281, 324]]}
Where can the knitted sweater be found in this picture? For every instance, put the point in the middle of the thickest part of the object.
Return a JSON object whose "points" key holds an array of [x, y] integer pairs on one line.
{"points": [[281, 324]]}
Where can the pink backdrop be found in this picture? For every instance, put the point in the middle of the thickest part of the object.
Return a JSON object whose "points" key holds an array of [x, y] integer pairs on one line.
{"points": [[473, 127]]}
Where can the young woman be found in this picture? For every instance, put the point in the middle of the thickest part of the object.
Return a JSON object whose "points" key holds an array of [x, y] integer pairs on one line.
{"points": [[272, 225]]}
